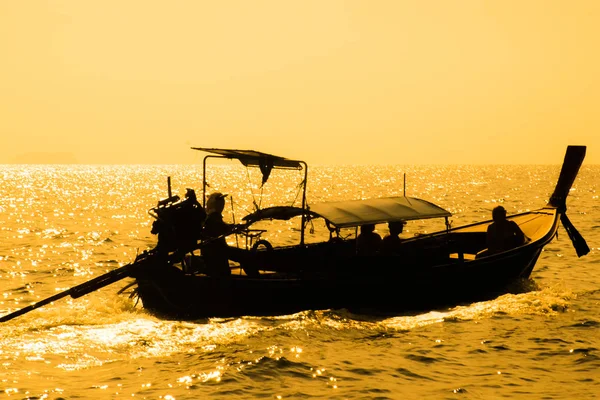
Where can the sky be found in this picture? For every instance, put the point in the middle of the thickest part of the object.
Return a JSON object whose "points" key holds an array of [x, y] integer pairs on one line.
{"points": [[328, 82]]}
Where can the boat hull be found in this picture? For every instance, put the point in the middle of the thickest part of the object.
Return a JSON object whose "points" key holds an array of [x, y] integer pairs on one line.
{"points": [[377, 283]]}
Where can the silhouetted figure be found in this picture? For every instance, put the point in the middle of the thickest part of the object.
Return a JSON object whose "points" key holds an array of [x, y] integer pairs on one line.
{"points": [[503, 234], [368, 242], [215, 230], [391, 242]]}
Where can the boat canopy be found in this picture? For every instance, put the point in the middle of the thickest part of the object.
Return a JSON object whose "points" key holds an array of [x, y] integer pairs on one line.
{"points": [[351, 213], [283, 213], [254, 158]]}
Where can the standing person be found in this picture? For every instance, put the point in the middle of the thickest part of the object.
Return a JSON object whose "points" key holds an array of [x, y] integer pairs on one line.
{"points": [[368, 241], [503, 234], [215, 229]]}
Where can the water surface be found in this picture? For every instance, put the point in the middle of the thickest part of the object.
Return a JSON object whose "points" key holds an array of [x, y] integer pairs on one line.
{"points": [[63, 225]]}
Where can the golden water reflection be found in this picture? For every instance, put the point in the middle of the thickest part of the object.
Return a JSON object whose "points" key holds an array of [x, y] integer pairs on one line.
{"points": [[98, 337], [72, 347]]}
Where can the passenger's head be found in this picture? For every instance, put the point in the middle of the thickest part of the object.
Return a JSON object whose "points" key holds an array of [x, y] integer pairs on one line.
{"points": [[190, 194], [215, 202], [499, 213], [396, 227], [367, 228]]}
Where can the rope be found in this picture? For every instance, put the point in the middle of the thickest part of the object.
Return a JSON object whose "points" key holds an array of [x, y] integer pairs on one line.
{"points": [[299, 188], [237, 243], [256, 207]]}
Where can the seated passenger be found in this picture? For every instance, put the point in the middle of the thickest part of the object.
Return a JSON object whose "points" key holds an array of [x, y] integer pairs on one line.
{"points": [[368, 242], [503, 234], [391, 242]]}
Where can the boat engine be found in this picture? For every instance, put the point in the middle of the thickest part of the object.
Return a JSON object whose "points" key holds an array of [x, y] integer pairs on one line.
{"points": [[178, 223]]}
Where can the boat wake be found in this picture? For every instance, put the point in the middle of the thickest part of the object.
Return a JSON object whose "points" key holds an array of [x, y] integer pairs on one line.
{"points": [[548, 301], [90, 335]]}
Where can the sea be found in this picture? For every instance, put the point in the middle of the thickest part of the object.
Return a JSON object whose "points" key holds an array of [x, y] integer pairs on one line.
{"points": [[62, 225]]}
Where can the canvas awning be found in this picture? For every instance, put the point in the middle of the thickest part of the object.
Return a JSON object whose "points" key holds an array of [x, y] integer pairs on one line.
{"points": [[283, 213], [254, 158], [374, 211]]}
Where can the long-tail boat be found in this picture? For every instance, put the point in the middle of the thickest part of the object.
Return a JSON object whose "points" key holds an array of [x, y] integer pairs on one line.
{"points": [[443, 268], [451, 266]]}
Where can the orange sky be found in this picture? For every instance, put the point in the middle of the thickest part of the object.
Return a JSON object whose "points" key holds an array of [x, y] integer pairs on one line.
{"points": [[330, 82]]}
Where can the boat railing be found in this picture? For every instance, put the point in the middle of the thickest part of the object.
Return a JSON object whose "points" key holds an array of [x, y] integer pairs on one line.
{"points": [[251, 236]]}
